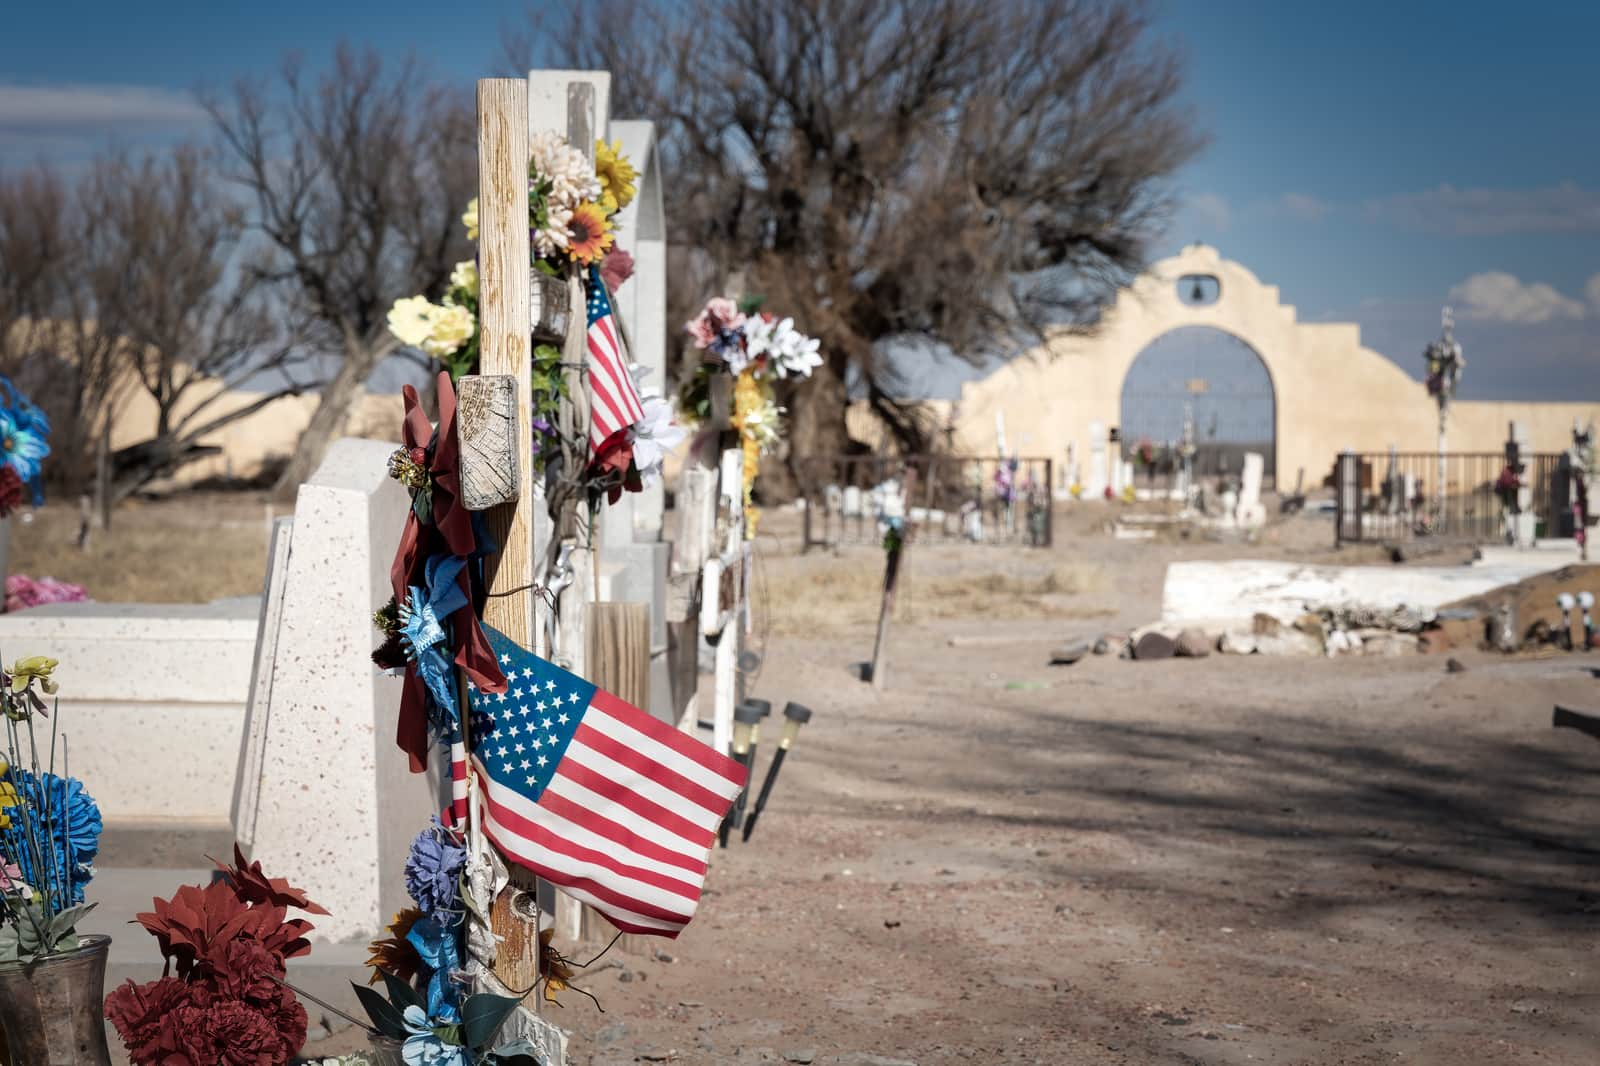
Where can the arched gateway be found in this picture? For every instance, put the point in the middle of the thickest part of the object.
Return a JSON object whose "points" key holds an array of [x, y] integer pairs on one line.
{"points": [[1205, 385]]}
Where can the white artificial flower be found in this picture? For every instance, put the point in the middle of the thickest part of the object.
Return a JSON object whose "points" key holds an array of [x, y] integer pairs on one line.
{"points": [[553, 237], [465, 276], [764, 425], [792, 352], [572, 178], [452, 327], [411, 320], [655, 436]]}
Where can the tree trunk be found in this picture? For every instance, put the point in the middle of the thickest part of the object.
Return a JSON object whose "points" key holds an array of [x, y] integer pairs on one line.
{"points": [[816, 429], [327, 421]]}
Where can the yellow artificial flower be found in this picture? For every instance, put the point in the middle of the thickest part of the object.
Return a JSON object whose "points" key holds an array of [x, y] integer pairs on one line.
{"points": [[465, 276], [470, 220], [616, 176], [589, 234], [411, 320], [451, 327], [24, 671], [8, 799]]}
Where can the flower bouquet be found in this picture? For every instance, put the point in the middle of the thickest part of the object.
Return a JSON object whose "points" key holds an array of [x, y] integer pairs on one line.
{"points": [[572, 211], [223, 996], [757, 349], [24, 444], [49, 835]]}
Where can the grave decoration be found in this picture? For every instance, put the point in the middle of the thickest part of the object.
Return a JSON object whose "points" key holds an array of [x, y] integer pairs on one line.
{"points": [[223, 995], [24, 445], [1581, 461], [50, 975], [572, 210], [551, 775], [756, 349]]}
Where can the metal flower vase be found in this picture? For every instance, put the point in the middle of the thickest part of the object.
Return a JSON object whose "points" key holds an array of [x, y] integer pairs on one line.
{"points": [[52, 1010], [548, 307]]}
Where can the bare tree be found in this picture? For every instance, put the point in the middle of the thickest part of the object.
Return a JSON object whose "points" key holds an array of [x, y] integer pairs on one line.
{"points": [[167, 263], [357, 179], [971, 172], [57, 342]]}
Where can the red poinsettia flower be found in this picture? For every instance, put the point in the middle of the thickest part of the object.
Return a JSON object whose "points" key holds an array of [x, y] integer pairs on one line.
{"points": [[253, 886], [195, 925]]}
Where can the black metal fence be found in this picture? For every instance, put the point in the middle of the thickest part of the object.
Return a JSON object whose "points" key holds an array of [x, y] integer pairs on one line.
{"points": [[941, 498], [1393, 496]]}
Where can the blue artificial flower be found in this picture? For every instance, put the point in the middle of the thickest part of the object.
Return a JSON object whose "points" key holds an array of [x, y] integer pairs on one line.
{"points": [[422, 630], [424, 1048], [433, 870], [22, 446], [438, 945], [72, 837]]}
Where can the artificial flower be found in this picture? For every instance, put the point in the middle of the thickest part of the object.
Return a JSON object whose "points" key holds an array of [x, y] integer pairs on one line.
{"points": [[433, 869], [11, 487], [616, 176], [763, 425], [449, 328], [424, 1047], [561, 170], [25, 672], [253, 886], [589, 234], [465, 276], [23, 591], [22, 445], [788, 351], [720, 313], [469, 219], [616, 267], [10, 872], [9, 799], [656, 435], [411, 320], [395, 954], [140, 1011]]}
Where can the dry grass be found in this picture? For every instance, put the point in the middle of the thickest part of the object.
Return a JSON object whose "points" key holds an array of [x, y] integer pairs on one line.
{"points": [[822, 593], [192, 549]]}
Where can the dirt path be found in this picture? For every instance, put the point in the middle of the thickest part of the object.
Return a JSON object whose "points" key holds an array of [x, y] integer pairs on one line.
{"points": [[1220, 861]]}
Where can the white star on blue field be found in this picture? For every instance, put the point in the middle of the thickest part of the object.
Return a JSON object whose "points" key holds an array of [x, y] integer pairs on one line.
{"points": [[519, 735]]}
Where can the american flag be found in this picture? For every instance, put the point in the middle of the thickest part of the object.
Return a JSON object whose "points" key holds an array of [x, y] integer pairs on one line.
{"points": [[616, 399], [593, 794]]}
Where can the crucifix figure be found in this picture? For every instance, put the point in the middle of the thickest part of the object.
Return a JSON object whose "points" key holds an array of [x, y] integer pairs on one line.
{"points": [[1445, 364]]}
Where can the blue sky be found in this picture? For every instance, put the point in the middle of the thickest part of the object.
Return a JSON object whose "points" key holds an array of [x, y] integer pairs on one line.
{"points": [[1373, 160]]}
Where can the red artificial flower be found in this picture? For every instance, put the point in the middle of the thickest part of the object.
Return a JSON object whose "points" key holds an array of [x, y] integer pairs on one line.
{"points": [[138, 1012], [195, 925], [244, 1035], [10, 489], [616, 268], [253, 886]]}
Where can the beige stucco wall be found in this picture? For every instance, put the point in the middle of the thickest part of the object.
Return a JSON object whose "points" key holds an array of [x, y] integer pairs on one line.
{"points": [[255, 439], [1332, 393]]}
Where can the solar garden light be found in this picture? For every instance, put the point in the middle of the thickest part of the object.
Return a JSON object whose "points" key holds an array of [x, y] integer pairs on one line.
{"points": [[746, 723], [1566, 601], [1586, 601], [794, 716]]}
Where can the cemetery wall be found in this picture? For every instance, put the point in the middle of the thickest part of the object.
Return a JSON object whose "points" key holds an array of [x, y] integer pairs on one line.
{"points": [[1332, 392]]}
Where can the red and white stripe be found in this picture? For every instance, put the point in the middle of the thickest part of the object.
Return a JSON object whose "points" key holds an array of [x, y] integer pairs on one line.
{"points": [[627, 822], [616, 399]]}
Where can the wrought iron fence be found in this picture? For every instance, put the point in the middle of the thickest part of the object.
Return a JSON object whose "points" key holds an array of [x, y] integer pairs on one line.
{"points": [[940, 497], [1393, 496]]}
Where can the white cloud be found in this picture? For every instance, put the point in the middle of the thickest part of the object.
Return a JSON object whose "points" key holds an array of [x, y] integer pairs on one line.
{"points": [[1302, 206], [1495, 296], [1563, 208], [1210, 211], [45, 107]]}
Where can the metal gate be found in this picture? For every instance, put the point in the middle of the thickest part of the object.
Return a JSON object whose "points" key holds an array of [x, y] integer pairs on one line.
{"points": [[1209, 385]]}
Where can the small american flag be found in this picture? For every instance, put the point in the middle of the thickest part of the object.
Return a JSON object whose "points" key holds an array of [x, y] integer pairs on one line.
{"points": [[593, 794], [616, 398]]}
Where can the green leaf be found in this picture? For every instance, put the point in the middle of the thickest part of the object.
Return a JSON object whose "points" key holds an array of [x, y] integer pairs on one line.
{"points": [[386, 1017], [544, 268], [10, 943], [482, 1015], [401, 994]]}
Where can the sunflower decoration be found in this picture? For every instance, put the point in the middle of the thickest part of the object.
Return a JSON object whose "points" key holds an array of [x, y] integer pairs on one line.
{"points": [[396, 955], [616, 175], [589, 234]]}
